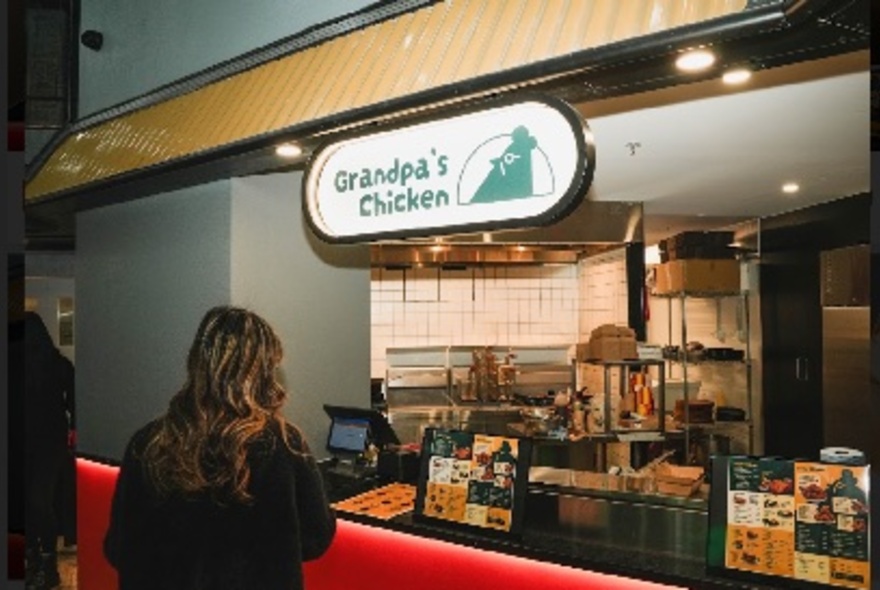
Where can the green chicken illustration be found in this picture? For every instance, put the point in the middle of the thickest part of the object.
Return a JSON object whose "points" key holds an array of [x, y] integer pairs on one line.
{"points": [[511, 173]]}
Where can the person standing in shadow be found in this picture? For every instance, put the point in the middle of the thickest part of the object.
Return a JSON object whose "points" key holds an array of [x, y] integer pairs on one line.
{"points": [[220, 492], [49, 419]]}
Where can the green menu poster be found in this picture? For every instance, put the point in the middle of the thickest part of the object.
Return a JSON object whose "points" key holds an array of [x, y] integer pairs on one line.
{"points": [[801, 520], [473, 479], [831, 539]]}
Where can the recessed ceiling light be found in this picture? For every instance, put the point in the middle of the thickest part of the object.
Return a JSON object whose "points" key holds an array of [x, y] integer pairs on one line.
{"points": [[790, 188], [288, 150], [695, 60], [737, 76]]}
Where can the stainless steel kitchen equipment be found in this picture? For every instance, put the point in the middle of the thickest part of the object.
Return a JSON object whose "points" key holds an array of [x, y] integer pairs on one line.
{"points": [[473, 388]]}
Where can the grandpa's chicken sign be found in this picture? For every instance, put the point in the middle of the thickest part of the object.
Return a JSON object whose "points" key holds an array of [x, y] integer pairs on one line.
{"points": [[511, 164]]}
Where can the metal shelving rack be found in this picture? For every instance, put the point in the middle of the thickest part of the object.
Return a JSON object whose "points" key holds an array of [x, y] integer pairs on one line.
{"points": [[626, 367], [683, 296]]}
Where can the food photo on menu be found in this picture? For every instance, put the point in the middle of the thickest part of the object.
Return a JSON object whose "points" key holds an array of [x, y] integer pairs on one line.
{"points": [[471, 479], [801, 520]]}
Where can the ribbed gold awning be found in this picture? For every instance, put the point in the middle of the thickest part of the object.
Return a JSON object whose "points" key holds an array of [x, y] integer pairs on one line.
{"points": [[438, 45]]}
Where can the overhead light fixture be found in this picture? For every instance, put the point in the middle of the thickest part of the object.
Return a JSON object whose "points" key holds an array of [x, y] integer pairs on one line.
{"points": [[736, 76], [288, 150], [790, 188], [695, 60]]}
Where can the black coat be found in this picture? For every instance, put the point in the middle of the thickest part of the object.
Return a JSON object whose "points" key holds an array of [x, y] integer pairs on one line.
{"points": [[195, 544], [49, 393]]}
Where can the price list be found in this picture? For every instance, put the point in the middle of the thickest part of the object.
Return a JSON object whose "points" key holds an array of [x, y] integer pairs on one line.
{"points": [[801, 520]]}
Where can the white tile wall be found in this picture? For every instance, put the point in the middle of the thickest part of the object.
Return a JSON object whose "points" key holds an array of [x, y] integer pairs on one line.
{"points": [[513, 306], [603, 291], [500, 305]]}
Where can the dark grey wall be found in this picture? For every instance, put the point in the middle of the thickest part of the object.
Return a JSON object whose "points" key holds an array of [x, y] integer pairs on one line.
{"points": [[148, 44], [317, 297], [146, 272]]}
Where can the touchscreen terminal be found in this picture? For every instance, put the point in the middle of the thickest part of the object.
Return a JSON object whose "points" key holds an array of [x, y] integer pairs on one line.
{"points": [[348, 435]]}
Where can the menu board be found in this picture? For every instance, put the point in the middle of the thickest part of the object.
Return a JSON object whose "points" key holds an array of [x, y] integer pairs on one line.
{"points": [[801, 520], [473, 479]]}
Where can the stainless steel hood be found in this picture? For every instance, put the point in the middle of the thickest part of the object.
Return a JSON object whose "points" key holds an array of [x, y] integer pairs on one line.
{"points": [[593, 227]]}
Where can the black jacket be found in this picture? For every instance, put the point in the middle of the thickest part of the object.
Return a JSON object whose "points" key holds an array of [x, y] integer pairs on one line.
{"points": [[49, 393], [195, 544]]}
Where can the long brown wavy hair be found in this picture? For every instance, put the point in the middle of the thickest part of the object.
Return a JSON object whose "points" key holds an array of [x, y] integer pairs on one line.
{"points": [[230, 397]]}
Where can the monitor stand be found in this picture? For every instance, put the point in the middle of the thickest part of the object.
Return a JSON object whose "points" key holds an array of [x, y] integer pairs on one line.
{"points": [[345, 477], [350, 466]]}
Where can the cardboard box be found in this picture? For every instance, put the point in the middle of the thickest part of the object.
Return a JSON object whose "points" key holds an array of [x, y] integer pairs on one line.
{"points": [[606, 330], [845, 274], [698, 244], [593, 378], [590, 480], [676, 480], [697, 276], [582, 352], [606, 348], [608, 343], [628, 348], [612, 348]]}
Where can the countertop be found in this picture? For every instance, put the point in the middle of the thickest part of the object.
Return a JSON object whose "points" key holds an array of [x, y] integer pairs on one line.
{"points": [[543, 540], [574, 552]]}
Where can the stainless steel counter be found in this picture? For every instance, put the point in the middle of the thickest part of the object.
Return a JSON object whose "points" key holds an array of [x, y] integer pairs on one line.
{"points": [[648, 537], [410, 422]]}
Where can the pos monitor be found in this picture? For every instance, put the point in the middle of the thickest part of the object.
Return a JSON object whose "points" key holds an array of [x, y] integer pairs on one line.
{"points": [[353, 429]]}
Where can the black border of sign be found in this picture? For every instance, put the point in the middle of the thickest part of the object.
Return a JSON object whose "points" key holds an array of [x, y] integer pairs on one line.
{"points": [[576, 192], [520, 487]]}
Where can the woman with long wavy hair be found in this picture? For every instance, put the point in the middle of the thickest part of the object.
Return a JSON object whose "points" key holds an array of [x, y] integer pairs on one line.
{"points": [[220, 493]]}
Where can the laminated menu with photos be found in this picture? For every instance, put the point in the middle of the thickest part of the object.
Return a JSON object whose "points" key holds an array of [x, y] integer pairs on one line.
{"points": [[473, 479], [801, 520]]}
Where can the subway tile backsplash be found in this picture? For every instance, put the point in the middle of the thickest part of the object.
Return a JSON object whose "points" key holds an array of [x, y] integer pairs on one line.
{"points": [[505, 305]]}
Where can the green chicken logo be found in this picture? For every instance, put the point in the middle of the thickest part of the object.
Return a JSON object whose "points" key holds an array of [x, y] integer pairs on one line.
{"points": [[504, 168]]}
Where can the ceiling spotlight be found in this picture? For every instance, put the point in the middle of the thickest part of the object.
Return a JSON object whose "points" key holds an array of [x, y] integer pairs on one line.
{"points": [[695, 60], [288, 150], [790, 188], [737, 76]]}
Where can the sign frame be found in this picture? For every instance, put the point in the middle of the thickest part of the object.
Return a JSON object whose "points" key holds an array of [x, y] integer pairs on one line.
{"points": [[514, 496], [795, 519], [572, 196]]}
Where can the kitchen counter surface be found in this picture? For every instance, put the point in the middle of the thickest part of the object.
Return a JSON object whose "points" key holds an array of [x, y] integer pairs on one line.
{"points": [[549, 537]]}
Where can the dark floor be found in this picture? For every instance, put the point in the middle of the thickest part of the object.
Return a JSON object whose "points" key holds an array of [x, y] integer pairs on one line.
{"points": [[66, 566]]}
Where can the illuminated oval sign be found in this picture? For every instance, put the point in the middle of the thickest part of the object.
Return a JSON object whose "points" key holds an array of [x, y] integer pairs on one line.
{"points": [[513, 164]]}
